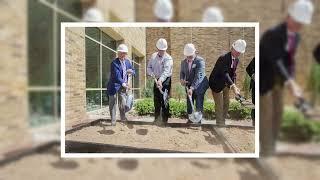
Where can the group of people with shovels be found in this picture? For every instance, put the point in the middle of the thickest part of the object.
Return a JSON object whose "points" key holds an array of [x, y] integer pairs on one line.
{"points": [[192, 77]]}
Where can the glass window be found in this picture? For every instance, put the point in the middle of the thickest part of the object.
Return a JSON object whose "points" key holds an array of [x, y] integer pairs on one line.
{"points": [[40, 46], [136, 78], [105, 99], [108, 41], [93, 99], [93, 60], [41, 108], [107, 57], [93, 33], [92, 64], [44, 57], [73, 7]]}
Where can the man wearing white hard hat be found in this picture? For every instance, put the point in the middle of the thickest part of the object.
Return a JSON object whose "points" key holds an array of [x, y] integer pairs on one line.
{"points": [[223, 77], [160, 67], [212, 14], [163, 10], [193, 77], [121, 69], [91, 12], [278, 46]]}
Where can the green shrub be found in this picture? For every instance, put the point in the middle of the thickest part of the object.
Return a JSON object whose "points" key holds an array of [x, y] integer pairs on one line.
{"points": [[147, 91], [295, 127], [178, 108], [180, 91], [144, 106], [208, 110], [237, 111]]}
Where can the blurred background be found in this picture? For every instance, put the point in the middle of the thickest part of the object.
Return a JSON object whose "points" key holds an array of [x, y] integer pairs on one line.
{"points": [[30, 91]]}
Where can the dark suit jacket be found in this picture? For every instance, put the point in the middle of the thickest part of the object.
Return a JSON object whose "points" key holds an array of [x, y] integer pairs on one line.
{"points": [[316, 53], [218, 79], [250, 71], [273, 50], [197, 76], [116, 76]]}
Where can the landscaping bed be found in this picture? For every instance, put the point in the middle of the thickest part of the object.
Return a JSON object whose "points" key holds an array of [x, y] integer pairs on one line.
{"points": [[182, 139]]}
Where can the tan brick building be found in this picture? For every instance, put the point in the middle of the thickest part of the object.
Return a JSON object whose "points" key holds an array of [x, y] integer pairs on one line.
{"points": [[209, 42], [30, 46], [30, 49], [89, 53], [267, 13]]}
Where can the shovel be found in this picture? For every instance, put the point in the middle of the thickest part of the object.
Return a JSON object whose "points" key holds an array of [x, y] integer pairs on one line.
{"points": [[307, 110], [129, 99], [164, 93], [243, 101], [195, 116]]}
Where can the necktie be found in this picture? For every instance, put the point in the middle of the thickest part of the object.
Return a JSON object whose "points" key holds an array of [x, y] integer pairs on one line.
{"points": [[124, 71], [189, 64], [291, 52]]}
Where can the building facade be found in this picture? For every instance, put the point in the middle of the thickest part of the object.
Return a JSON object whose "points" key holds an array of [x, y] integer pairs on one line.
{"points": [[89, 53]]}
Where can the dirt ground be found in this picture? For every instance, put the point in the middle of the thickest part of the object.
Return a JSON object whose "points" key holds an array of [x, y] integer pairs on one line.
{"points": [[190, 139], [49, 166]]}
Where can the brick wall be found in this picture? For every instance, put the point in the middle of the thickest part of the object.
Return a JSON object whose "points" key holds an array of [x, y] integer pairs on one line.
{"points": [[135, 39], [210, 42], [14, 76], [75, 77], [267, 13], [119, 10]]}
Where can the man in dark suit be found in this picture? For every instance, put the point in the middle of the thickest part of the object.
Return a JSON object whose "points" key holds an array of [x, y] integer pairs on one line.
{"points": [[250, 70], [277, 68], [223, 77], [121, 69], [193, 76]]}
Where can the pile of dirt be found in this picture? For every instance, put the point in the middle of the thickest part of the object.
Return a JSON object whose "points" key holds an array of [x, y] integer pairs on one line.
{"points": [[190, 139]]}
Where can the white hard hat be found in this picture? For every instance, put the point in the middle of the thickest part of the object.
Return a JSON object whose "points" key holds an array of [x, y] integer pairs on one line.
{"points": [[212, 14], [162, 44], [301, 11], [239, 45], [122, 48], [93, 15], [163, 9], [189, 50]]}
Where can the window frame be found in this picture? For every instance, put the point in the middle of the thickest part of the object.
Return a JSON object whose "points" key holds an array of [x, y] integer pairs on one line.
{"points": [[55, 88], [101, 46]]}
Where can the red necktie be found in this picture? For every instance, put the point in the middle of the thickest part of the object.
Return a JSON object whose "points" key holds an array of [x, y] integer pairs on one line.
{"points": [[291, 52]]}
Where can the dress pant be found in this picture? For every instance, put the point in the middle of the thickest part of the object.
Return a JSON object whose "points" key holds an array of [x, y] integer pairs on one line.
{"points": [[271, 108], [222, 101], [122, 96], [198, 98], [159, 105]]}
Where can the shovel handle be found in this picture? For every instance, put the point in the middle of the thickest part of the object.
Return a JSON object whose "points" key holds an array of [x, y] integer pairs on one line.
{"points": [[190, 99], [156, 81]]}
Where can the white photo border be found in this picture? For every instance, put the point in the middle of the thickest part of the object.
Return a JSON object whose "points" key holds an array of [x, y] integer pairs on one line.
{"points": [[160, 155]]}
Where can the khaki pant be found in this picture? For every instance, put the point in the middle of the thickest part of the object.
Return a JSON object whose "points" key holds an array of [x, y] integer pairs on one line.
{"points": [[271, 108], [122, 96], [221, 100]]}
